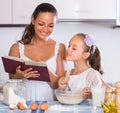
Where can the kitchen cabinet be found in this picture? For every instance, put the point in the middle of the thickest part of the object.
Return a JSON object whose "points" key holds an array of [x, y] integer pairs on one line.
{"points": [[86, 9], [118, 13], [20, 11], [23, 9], [103, 9], [5, 12]]}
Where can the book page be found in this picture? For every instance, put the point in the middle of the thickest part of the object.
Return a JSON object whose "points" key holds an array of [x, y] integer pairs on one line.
{"points": [[33, 63], [13, 58]]}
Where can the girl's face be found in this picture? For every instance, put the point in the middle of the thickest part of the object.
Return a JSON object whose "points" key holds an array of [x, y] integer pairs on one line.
{"points": [[76, 49], [44, 24]]}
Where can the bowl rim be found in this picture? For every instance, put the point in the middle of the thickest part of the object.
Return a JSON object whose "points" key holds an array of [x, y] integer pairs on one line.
{"points": [[67, 91], [63, 95]]}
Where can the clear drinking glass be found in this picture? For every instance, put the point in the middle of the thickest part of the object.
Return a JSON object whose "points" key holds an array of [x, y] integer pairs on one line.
{"points": [[98, 95]]}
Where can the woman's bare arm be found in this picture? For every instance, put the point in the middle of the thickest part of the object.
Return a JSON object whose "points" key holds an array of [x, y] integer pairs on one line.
{"points": [[60, 67]]}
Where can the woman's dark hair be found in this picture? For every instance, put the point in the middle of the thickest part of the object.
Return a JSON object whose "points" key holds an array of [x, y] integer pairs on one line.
{"points": [[29, 30], [95, 57]]}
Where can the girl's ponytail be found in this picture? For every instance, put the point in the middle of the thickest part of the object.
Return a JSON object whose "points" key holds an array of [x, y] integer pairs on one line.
{"points": [[95, 59]]}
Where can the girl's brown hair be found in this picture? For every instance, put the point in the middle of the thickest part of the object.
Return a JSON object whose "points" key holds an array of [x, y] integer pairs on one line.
{"points": [[95, 58]]}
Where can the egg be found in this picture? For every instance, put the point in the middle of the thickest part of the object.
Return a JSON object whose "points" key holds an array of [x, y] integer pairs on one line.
{"points": [[44, 106], [12, 107], [21, 106], [18, 104], [33, 106]]}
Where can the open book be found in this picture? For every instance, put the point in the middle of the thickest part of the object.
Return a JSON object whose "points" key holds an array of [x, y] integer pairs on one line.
{"points": [[10, 64]]}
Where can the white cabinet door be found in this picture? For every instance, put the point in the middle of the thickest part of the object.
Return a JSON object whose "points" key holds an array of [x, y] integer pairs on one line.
{"points": [[5, 12], [23, 9], [86, 9], [69, 9], [103, 9]]}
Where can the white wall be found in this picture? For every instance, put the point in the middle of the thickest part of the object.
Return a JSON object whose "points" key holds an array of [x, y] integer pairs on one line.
{"points": [[7, 37], [108, 40]]}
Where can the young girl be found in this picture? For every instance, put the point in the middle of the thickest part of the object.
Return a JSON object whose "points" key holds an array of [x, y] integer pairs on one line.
{"points": [[85, 55]]}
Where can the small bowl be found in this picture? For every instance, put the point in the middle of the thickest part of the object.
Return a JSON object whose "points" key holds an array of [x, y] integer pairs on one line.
{"points": [[68, 97]]}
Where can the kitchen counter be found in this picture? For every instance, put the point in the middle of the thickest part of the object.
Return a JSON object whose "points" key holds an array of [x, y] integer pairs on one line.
{"points": [[56, 107]]}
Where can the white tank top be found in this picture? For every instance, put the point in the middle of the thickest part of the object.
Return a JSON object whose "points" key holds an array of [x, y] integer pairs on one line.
{"points": [[39, 90]]}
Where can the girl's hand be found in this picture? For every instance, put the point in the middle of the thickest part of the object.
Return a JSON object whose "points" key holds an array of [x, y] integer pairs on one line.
{"points": [[86, 93], [26, 73], [62, 83]]}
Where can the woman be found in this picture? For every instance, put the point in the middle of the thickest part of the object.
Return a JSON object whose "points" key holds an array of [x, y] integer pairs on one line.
{"points": [[36, 45]]}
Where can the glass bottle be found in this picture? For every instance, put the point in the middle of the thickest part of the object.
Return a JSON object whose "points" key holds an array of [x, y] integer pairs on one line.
{"points": [[14, 92]]}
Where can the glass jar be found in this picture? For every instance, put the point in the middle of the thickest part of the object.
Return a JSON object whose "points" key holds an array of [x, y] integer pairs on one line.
{"points": [[14, 92], [2, 82], [109, 96], [117, 95]]}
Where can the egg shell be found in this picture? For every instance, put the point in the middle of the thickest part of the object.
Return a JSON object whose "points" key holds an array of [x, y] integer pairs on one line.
{"points": [[18, 104], [44, 106], [12, 107], [21, 106], [33, 106]]}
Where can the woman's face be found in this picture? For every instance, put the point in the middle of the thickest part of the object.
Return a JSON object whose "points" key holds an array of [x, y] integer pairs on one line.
{"points": [[76, 49], [44, 24]]}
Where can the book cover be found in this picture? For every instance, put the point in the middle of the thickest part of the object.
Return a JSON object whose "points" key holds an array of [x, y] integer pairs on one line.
{"points": [[10, 64]]}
